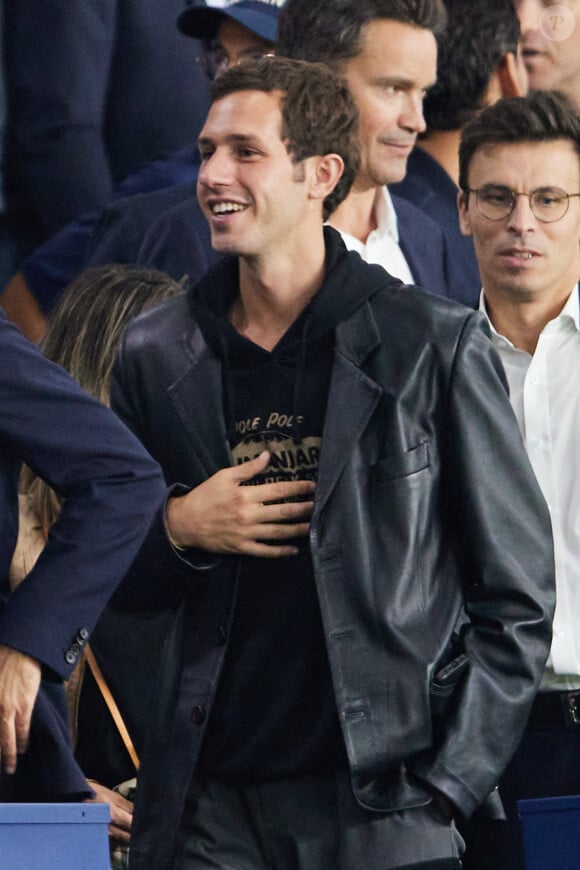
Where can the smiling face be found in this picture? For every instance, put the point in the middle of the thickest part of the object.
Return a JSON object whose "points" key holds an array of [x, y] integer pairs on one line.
{"points": [[254, 197], [553, 62], [388, 80], [520, 258]]}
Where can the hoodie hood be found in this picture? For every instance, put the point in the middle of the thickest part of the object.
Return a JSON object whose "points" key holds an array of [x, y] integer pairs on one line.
{"points": [[348, 284]]}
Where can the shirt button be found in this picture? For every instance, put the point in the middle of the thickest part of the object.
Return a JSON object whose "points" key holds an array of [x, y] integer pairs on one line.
{"points": [[221, 635], [198, 714]]}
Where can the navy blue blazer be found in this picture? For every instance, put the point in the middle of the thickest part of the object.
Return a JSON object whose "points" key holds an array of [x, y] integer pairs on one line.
{"points": [[426, 250], [111, 488], [94, 88], [176, 239], [428, 187]]}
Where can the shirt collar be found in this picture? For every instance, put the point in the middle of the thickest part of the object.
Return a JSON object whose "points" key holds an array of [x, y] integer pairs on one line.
{"points": [[385, 214], [571, 310]]}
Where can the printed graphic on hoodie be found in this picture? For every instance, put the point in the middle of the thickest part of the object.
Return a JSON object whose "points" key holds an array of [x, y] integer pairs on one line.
{"points": [[289, 460]]}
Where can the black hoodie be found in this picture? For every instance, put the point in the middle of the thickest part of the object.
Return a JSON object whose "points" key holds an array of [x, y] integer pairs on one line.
{"points": [[274, 714]]}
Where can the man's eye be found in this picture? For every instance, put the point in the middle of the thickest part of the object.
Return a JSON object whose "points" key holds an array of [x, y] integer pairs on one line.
{"points": [[547, 198], [496, 197], [253, 54]]}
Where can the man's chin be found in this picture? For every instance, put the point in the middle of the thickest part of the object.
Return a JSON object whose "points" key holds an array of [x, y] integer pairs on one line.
{"points": [[391, 174], [223, 244]]}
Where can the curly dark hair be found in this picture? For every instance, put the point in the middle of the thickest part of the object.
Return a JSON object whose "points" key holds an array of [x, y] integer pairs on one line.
{"points": [[319, 115], [469, 52]]}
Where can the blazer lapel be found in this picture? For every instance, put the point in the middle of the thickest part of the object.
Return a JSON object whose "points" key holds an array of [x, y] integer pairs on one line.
{"points": [[352, 399]]}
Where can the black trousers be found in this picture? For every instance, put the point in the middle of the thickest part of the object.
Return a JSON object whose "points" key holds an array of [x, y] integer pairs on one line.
{"points": [[311, 823]]}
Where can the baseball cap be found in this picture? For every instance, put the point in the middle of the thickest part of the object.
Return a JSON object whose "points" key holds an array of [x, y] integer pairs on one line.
{"points": [[259, 16]]}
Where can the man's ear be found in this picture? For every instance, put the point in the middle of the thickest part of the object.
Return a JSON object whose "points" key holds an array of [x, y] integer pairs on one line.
{"points": [[512, 75], [326, 173], [464, 217], [509, 79]]}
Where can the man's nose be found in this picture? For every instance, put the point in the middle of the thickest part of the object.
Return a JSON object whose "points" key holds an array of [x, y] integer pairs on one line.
{"points": [[522, 218], [216, 170], [529, 12], [412, 117]]}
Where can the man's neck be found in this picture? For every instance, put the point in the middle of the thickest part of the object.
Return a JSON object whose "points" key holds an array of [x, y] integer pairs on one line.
{"points": [[443, 146], [274, 292], [356, 215], [571, 89], [522, 322]]}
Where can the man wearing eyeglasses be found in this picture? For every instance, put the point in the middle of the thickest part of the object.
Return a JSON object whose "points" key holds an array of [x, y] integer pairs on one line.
{"points": [[520, 200]]}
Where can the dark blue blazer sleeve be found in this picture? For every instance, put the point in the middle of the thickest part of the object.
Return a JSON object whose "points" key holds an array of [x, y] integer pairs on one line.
{"points": [[423, 245], [111, 486], [58, 60], [427, 251], [57, 261]]}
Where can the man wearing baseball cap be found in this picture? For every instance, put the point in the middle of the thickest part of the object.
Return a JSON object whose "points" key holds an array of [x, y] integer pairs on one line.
{"points": [[229, 33], [259, 16]]}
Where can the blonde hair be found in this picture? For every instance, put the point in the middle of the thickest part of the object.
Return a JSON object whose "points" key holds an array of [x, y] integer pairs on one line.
{"points": [[82, 337]]}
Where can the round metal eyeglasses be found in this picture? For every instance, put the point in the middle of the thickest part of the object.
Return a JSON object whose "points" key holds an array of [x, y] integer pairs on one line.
{"points": [[496, 202]]}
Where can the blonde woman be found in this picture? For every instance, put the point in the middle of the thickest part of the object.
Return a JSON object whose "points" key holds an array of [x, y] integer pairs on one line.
{"points": [[82, 337]]}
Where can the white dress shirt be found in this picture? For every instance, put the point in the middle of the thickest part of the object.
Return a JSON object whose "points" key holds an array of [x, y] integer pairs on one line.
{"points": [[545, 395], [382, 245]]}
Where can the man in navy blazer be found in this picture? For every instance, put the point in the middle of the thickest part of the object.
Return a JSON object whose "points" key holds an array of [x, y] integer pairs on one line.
{"points": [[382, 229], [111, 489], [165, 229]]}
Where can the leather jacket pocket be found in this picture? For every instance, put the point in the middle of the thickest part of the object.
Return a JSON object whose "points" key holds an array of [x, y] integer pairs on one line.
{"points": [[402, 464], [444, 685]]}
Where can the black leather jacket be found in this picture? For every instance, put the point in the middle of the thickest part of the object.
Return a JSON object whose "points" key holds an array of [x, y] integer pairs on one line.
{"points": [[427, 516]]}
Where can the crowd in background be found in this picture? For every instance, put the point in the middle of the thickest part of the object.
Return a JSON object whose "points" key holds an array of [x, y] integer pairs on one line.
{"points": [[102, 103]]}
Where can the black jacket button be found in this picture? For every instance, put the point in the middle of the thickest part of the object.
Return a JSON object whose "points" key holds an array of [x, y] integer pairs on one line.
{"points": [[221, 635], [198, 714], [70, 658], [82, 635]]}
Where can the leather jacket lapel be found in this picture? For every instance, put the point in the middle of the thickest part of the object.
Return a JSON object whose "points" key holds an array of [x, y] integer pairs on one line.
{"points": [[352, 398], [197, 396]]}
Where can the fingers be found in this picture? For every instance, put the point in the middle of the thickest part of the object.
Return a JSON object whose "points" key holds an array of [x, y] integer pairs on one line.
{"points": [[19, 682], [121, 818], [278, 492], [285, 512], [8, 751], [14, 732], [22, 729], [267, 491], [221, 515], [268, 551], [119, 836], [121, 811], [248, 470], [278, 531]]}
